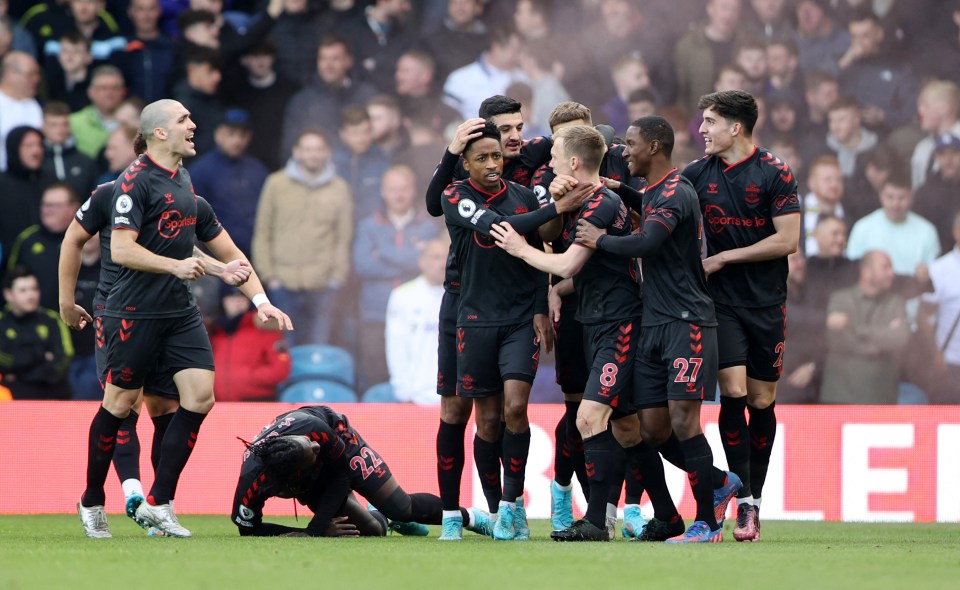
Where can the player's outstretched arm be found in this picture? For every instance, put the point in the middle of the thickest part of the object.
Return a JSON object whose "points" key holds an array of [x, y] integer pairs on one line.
{"points": [[565, 265], [223, 247], [651, 237], [233, 273], [127, 252], [784, 242], [69, 267]]}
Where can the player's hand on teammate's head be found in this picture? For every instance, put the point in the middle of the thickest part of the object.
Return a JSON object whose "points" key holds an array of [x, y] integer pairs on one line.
{"points": [[188, 269], [75, 316], [236, 272], [588, 234], [267, 312], [575, 198], [507, 238], [465, 132], [561, 185]]}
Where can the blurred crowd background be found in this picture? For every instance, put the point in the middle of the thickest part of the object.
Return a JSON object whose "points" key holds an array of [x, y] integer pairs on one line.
{"points": [[319, 124]]}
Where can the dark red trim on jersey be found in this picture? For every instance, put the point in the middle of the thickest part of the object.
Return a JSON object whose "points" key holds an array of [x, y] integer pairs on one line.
{"points": [[735, 164], [125, 228], [173, 173], [650, 186], [490, 196], [669, 230]]}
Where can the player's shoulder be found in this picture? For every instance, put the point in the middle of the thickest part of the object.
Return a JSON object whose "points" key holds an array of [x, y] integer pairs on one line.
{"points": [[536, 150], [773, 167], [698, 167], [458, 189]]}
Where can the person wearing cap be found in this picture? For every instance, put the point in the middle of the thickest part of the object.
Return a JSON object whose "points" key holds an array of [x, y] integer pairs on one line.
{"points": [[229, 178], [938, 111], [939, 198]]}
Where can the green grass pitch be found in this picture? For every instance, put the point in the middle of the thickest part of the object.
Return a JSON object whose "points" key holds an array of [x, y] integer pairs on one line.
{"points": [[50, 551]]}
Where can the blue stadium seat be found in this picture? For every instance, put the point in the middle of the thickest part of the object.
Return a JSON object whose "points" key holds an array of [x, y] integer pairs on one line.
{"points": [[381, 393], [317, 391], [317, 361]]}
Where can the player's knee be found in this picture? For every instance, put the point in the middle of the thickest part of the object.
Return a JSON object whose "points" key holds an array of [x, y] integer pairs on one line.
{"points": [[628, 435], [762, 399], [590, 423], [515, 412], [119, 402], [455, 409], [733, 389], [654, 434]]}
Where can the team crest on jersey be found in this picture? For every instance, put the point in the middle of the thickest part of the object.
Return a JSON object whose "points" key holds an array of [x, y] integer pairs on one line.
{"points": [[753, 194], [466, 208], [124, 203]]}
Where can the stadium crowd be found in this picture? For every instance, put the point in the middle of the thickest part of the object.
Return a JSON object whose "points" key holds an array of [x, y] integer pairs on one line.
{"points": [[320, 124]]}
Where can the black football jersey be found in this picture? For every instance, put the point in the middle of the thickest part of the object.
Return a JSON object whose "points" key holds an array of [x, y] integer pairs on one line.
{"points": [[739, 202], [496, 289], [160, 205]]}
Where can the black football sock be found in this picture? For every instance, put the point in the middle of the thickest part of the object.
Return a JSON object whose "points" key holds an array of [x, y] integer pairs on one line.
{"points": [[503, 429], [516, 448], [177, 445], [102, 441], [618, 471], [160, 425], [598, 452], [126, 457], [450, 460], [562, 461], [486, 455], [733, 433], [576, 447], [646, 461], [672, 452], [699, 463], [763, 431], [633, 483]]}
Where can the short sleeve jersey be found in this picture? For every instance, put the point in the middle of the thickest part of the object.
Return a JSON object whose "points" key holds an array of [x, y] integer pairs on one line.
{"points": [[674, 284], [159, 205], [255, 487], [534, 153], [95, 216], [739, 202], [497, 289], [606, 286]]}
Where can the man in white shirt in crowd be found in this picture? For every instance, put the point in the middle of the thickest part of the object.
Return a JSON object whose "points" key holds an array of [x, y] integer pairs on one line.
{"points": [[19, 77], [945, 299]]}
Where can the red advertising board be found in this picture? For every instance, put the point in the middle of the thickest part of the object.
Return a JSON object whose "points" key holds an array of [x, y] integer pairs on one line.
{"points": [[854, 463]]}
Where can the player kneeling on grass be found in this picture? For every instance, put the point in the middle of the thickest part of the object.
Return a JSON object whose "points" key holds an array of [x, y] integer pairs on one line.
{"points": [[314, 456]]}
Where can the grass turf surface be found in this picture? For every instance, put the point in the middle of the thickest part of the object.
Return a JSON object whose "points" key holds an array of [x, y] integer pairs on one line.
{"points": [[50, 551]]}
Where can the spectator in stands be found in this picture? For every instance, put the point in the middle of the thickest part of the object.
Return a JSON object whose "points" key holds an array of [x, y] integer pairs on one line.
{"points": [[821, 90], [302, 237], [359, 161], [263, 93], [770, 19], [319, 104], [495, 69], [128, 113], [412, 328], [825, 198], [641, 103], [234, 42], [423, 126], [939, 197], [867, 329], [22, 185], [821, 42], [751, 55], [19, 38], [783, 71], [944, 303], [92, 125], [729, 77], [802, 368], [118, 153], [61, 157], [19, 77], [35, 346], [699, 55], [198, 93], [147, 61], [252, 359], [385, 254], [461, 39], [38, 246], [199, 29], [850, 142], [377, 38], [386, 123], [230, 179], [783, 115], [89, 17], [938, 108], [67, 74], [82, 374], [416, 85], [904, 236], [545, 91], [785, 145], [295, 38], [886, 89], [629, 74]]}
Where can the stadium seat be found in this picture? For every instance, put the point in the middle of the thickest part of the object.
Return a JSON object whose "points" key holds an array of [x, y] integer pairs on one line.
{"points": [[318, 391], [381, 393], [316, 361]]}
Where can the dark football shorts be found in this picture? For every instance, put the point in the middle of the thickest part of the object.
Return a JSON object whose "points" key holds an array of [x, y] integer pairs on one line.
{"points": [[571, 364], [156, 382], [447, 345], [488, 356], [137, 347], [752, 336], [368, 470], [612, 347], [675, 361]]}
